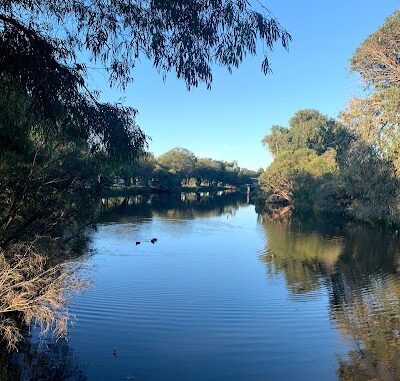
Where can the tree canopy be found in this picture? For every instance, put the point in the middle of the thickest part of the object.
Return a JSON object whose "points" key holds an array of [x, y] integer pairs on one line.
{"points": [[178, 160], [377, 58], [375, 118], [180, 167], [307, 129], [294, 175], [187, 36]]}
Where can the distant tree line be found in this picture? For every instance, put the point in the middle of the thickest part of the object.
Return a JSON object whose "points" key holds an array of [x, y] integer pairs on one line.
{"points": [[352, 164], [180, 167]]}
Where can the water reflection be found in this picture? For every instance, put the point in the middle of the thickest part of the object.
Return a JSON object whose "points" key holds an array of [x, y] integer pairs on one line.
{"points": [[172, 206], [359, 268], [48, 360], [199, 298], [302, 256], [41, 360]]}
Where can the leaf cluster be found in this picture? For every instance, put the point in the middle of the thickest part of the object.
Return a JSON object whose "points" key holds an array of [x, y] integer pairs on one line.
{"points": [[187, 36]]}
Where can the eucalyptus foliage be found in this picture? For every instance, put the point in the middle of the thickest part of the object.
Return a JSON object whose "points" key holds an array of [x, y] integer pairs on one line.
{"points": [[187, 36], [377, 58]]}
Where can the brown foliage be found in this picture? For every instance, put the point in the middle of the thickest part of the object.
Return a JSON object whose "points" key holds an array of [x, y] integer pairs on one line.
{"points": [[377, 59], [34, 291]]}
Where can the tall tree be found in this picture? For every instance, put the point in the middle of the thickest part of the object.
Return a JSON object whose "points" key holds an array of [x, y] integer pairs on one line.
{"points": [[179, 161], [313, 130], [294, 176], [376, 121], [371, 166], [375, 118], [278, 140], [307, 129], [377, 59]]}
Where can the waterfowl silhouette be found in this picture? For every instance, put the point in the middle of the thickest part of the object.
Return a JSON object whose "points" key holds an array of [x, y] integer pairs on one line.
{"points": [[137, 242], [153, 240]]}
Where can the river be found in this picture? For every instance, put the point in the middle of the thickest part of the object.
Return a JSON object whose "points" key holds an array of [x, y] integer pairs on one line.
{"points": [[228, 294]]}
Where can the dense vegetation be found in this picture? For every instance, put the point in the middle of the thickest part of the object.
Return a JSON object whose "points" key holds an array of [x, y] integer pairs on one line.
{"points": [[59, 142], [351, 165], [181, 168]]}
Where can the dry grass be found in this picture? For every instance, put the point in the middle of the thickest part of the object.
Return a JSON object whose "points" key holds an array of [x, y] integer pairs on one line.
{"points": [[32, 291]]}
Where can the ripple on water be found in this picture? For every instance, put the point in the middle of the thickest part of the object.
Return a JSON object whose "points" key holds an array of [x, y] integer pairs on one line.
{"points": [[232, 298]]}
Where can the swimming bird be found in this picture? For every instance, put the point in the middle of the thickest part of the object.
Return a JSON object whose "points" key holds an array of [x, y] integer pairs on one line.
{"points": [[137, 242], [153, 240], [115, 351]]}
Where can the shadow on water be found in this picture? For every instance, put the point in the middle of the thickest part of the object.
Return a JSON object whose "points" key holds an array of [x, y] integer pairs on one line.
{"points": [[174, 206], [359, 266], [41, 361]]}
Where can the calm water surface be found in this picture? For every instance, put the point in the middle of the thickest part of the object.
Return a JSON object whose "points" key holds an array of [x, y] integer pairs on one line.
{"points": [[227, 294]]}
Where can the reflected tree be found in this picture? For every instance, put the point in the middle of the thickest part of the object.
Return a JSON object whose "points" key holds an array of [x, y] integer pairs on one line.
{"points": [[192, 205], [304, 259], [47, 360], [359, 268]]}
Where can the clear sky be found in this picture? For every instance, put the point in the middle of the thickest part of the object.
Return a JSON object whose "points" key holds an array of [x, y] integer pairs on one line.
{"points": [[229, 121]]}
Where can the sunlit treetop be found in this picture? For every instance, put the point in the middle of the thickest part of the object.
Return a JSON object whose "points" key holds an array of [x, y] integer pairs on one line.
{"points": [[308, 129], [377, 60]]}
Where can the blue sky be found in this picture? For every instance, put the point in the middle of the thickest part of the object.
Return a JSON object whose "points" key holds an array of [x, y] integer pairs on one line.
{"points": [[229, 121]]}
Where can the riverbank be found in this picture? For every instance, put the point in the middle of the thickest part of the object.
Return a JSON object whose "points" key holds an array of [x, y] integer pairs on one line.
{"points": [[282, 210], [138, 190]]}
